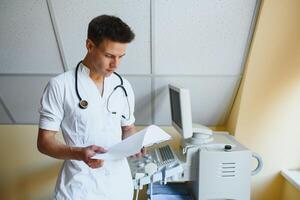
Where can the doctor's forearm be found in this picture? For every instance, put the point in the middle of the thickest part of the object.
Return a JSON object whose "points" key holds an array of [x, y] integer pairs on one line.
{"points": [[49, 145], [61, 151]]}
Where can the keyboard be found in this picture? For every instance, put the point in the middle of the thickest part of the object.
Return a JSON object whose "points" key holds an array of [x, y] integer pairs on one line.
{"points": [[166, 154], [161, 156]]}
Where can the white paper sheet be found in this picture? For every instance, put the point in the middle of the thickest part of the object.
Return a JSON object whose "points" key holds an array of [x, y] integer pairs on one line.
{"points": [[133, 144]]}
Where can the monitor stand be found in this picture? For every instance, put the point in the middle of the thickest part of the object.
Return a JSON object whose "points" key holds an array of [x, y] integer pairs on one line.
{"points": [[201, 135]]}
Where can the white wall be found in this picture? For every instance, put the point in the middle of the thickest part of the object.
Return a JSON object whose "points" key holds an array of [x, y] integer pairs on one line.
{"points": [[198, 44]]}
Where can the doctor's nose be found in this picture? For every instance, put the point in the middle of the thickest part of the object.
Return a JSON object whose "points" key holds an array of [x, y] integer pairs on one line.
{"points": [[115, 62]]}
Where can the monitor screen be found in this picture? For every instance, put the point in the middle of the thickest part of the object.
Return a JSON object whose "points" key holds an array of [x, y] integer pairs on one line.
{"points": [[175, 107]]}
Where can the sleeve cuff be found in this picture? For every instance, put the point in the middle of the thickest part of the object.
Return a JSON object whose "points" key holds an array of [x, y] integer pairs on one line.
{"points": [[49, 124]]}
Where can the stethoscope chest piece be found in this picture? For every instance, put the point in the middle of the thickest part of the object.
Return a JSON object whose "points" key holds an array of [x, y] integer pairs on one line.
{"points": [[83, 104]]}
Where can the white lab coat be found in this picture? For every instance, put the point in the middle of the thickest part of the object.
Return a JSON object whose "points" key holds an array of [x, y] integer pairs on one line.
{"points": [[84, 127]]}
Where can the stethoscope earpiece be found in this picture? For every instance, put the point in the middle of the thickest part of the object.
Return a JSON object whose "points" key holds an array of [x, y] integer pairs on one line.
{"points": [[83, 104]]}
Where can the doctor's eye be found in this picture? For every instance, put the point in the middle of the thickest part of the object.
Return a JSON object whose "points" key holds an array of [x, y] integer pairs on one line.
{"points": [[108, 56]]}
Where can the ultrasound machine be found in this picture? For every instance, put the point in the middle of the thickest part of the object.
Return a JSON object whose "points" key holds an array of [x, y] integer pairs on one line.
{"points": [[213, 164]]}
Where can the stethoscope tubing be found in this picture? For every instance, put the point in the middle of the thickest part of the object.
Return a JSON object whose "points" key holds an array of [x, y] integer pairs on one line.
{"points": [[83, 104]]}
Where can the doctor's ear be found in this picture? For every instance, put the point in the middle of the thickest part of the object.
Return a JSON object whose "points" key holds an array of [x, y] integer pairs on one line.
{"points": [[89, 45]]}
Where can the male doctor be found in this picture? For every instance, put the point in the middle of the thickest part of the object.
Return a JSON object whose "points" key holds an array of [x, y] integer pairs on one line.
{"points": [[93, 107]]}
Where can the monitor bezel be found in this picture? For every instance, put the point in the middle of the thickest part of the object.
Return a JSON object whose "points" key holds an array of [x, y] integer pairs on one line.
{"points": [[185, 108]]}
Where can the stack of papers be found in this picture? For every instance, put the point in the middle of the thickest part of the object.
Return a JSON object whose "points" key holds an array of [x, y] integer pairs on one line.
{"points": [[133, 144]]}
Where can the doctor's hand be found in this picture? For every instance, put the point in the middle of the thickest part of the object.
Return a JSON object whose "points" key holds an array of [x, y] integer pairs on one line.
{"points": [[90, 151], [139, 154]]}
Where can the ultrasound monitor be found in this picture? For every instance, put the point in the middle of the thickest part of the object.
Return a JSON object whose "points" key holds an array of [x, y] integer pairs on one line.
{"points": [[181, 114]]}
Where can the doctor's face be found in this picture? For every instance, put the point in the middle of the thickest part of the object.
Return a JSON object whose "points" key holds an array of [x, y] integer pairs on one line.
{"points": [[106, 56]]}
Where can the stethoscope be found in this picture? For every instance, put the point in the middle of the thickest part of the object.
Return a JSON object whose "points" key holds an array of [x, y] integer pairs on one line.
{"points": [[83, 104]]}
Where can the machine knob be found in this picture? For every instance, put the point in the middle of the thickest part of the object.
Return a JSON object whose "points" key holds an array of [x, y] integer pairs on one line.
{"points": [[227, 147]]}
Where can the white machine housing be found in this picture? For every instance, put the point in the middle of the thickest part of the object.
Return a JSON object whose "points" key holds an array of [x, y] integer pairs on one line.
{"points": [[216, 173]]}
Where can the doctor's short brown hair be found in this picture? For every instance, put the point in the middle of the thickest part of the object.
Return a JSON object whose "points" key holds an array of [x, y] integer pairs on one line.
{"points": [[109, 27]]}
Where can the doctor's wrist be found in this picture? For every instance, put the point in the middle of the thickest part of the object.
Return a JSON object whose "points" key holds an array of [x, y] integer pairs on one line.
{"points": [[76, 153]]}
